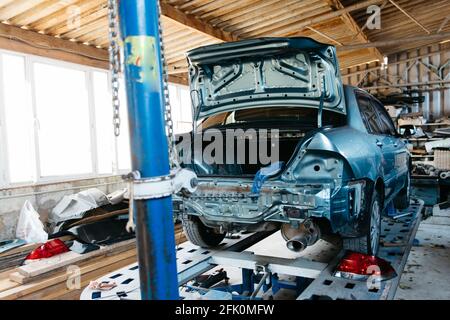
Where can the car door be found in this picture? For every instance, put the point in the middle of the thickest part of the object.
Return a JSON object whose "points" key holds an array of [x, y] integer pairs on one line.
{"points": [[400, 157], [379, 137]]}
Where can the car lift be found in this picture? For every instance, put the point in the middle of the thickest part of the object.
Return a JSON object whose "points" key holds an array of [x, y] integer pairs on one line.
{"points": [[153, 182], [311, 279]]}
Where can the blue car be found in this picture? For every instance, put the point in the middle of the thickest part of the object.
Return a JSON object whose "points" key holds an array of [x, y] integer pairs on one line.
{"points": [[339, 162]]}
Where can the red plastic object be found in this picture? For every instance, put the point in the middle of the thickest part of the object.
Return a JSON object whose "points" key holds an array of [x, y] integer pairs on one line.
{"points": [[356, 266], [49, 249]]}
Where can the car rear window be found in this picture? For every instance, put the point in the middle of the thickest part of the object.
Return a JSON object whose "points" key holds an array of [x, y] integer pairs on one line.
{"points": [[307, 116]]}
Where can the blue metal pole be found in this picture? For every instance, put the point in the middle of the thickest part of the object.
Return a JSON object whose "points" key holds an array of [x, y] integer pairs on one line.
{"points": [[149, 149]]}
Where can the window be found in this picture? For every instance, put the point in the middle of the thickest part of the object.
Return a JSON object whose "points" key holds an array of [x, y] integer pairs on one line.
{"points": [[385, 121], [180, 102], [62, 110], [368, 114], [304, 116], [103, 123], [18, 119], [56, 121], [123, 141]]}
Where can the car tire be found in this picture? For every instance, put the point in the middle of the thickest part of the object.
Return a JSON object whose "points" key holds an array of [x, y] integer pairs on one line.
{"points": [[199, 234], [402, 200], [369, 243]]}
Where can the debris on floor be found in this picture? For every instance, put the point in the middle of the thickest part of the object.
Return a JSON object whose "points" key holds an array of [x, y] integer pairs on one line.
{"points": [[103, 286], [49, 249], [48, 278], [7, 245]]}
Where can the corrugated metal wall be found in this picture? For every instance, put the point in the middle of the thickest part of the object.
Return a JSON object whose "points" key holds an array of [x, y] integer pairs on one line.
{"points": [[412, 67]]}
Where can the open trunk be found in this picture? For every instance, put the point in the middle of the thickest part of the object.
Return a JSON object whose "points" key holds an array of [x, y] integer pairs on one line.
{"points": [[244, 155], [288, 84]]}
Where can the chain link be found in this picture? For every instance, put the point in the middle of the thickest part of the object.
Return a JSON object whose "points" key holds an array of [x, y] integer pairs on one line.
{"points": [[114, 59], [115, 66], [173, 154]]}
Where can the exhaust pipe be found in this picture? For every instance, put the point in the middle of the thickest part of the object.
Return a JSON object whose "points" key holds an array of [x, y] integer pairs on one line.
{"points": [[298, 239]]}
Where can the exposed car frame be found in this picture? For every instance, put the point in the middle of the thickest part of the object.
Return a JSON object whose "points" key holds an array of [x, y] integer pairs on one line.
{"points": [[338, 180]]}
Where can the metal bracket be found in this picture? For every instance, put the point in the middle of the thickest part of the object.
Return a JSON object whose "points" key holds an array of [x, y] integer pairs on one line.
{"points": [[179, 180]]}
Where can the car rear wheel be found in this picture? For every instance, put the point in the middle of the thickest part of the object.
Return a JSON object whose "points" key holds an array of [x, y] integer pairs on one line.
{"points": [[401, 201], [369, 243], [199, 234]]}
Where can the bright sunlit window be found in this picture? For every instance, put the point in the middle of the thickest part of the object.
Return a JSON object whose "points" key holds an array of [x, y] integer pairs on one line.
{"points": [[103, 123], [58, 121], [123, 141], [63, 114], [181, 108], [19, 119]]}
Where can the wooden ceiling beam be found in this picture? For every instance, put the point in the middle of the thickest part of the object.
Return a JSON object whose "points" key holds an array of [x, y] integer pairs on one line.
{"points": [[410, 16], [20, 40], [395, 42], [17, 7], [40, 11], [58, 19], [348, 20], [194, 23], [337, 13], [320, 33]]}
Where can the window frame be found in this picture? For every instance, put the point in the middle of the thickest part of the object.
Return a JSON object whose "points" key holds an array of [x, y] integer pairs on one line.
{"points": [[381, 111], [29, 61], [38, 179], [366, 123]]}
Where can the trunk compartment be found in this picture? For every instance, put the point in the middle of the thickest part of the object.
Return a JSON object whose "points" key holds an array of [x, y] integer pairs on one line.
{"points": [[242, 165]]}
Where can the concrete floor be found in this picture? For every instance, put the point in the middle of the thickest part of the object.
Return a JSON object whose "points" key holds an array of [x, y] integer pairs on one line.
{"points": [[427, 271]]}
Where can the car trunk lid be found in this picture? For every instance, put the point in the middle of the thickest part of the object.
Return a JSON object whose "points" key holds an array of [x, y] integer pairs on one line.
{"points": [[267, 72]]}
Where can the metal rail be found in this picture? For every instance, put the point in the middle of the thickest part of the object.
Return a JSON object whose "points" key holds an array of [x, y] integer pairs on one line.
{"points": [[315, 279]]}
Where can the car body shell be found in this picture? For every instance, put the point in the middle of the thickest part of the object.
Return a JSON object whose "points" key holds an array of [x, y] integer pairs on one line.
{"points": [[353, 162]]}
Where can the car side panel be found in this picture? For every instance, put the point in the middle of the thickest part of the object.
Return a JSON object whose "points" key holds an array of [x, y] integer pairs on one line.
{"points": [[358, 148]]}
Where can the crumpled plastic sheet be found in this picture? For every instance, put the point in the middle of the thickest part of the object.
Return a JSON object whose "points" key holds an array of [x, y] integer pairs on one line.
{"points": [[75, 205]]}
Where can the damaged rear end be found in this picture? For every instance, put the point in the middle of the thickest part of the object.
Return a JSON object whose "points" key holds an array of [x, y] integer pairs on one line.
{"points": [[264, 110]]}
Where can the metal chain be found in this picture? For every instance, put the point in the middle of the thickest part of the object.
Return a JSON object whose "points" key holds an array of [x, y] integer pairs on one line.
{"points": [[115, 66], [173, 154], [114, 59]]}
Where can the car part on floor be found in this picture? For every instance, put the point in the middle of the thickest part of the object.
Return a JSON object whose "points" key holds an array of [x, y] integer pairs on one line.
{"points": [[49, 249], [75, 205], [359, 266], [97, 214], [83, 248], [103, 232], [7, 245], [207, 281]]}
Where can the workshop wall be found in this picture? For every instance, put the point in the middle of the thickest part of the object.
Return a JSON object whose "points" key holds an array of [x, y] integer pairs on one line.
{"points": [[429, 66]]}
